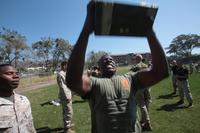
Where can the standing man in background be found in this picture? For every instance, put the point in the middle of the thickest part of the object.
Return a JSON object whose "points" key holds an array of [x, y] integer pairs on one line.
{"points": [[183, 84], [143, 97], [15, 109], [65, 96], [174, 80]]}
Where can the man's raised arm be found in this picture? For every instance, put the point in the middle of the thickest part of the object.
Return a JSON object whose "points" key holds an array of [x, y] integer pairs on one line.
{"points": [[159, 68], [77, 57]]}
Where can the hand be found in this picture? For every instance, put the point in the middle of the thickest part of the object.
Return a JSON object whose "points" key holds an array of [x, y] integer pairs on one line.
{"points": [[89, 21], [150, 32]]}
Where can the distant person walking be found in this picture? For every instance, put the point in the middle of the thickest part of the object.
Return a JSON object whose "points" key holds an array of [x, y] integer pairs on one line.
{"points": [[15, 109], [65, 96]]}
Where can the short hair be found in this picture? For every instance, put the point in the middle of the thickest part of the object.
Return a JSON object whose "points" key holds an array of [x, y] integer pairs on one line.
{"points": [[4, 65], [139, 56], [63, 63]]}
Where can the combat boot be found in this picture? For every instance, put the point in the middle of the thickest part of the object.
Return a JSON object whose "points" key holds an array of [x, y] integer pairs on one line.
{"points": [[146, 126]]}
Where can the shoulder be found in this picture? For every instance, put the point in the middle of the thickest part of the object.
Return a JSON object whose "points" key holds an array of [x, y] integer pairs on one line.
{"points": [[143, 65], [130, 73], [61, 74], [21, 98]]}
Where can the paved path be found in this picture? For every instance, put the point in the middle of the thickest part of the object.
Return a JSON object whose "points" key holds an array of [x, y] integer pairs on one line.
{"points": [[36, 86]]}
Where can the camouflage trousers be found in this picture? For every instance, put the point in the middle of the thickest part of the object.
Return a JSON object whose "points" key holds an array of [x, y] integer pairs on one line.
{"points": [[184, 90], [174, 83], [67, 111], [143, 99]]}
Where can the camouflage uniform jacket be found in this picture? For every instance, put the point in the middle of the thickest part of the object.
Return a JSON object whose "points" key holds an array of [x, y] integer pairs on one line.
{"points": [[15, 115], [65, 92]]}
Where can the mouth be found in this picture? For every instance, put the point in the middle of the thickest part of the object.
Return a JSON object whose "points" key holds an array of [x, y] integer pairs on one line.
{"points": [[111, 66], [15, 84]]}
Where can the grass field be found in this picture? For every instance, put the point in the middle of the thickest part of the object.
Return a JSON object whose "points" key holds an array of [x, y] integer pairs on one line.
{"points": [[31, 80], [165, 117]]}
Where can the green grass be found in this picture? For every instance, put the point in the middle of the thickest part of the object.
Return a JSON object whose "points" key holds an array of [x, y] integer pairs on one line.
{"points": [[163, 118]]}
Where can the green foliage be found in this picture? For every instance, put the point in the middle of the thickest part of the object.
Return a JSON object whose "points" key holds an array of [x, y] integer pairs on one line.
{"points": [[51, 51], [93, 57], [163, 118], [61, 51], [43, 50], [12, 46], [183, 45]]}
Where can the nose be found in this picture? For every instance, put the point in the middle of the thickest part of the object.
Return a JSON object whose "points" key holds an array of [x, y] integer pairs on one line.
{"points": [[16, 75], [109, 60]]}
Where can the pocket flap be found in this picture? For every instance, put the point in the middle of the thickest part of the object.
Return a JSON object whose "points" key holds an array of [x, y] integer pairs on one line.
{"points": [[6, 124]]}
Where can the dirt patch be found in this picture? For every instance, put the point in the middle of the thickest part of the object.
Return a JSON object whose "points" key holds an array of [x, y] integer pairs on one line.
{"points": [[35, 86]]}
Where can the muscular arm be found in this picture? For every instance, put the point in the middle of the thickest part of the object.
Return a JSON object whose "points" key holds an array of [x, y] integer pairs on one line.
{"points": [[76, 61], [159, 68]]}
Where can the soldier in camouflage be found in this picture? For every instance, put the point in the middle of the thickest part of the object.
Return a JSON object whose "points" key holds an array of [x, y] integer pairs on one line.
{"points": [[15, 109], [143, 97], [65, 96]]}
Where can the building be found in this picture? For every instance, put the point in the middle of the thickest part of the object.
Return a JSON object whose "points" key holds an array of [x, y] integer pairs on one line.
{"points": [[125, 59]]}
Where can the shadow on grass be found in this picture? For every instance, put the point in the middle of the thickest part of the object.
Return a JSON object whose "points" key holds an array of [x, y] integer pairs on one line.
{"points": [[57, 103], [49, 130], [78, 101], [171, 107], [167, 96]]}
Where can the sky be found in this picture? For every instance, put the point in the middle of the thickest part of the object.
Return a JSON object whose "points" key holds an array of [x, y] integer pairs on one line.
{"points": [[64, 19]]}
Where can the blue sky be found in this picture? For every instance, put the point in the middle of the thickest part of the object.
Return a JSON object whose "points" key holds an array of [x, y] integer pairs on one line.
{"points": [[64, 19]]}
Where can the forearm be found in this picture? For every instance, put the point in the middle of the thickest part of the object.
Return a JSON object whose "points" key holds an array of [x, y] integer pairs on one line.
{"points": [[160, 65], [77, 58], [76, 62]]}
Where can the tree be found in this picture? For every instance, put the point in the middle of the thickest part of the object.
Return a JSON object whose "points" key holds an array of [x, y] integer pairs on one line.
{"points": [[12, 46], [183, 45], [173, 49], [61, 51], [51, 51], [43, 50], [93, 57]]}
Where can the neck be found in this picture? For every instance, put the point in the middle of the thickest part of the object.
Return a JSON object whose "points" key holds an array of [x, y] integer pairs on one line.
{"points": [[6, 93], [108, 75]]}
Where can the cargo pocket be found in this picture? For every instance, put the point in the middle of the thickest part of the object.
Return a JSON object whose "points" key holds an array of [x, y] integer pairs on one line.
{"points": [[27, 121], [6, 126]]}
